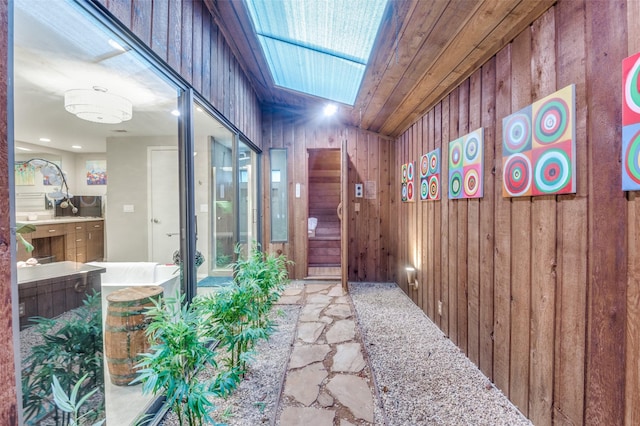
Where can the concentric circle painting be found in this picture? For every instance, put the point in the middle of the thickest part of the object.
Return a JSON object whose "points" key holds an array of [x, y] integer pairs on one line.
{"points": [[539, 147], [466, 166], [631, 123]]}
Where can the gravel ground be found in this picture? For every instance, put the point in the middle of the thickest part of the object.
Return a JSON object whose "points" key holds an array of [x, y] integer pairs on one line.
{"points": [[420, 375]]}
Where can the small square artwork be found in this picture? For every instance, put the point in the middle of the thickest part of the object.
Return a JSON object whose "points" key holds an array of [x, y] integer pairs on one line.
{"points": [[539, 147], [466, 166], [430, 176], [96, 172], [631, 123], [408, 177]]}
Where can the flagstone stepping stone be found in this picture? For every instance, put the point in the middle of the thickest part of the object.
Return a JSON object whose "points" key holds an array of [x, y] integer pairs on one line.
{"points": [[325, 400], [327, 320], [292, 292], [336, 291], [343, 300], [339, 311], [341, 331], [303, 355], [348, 358], [316, 288], [353, 392], [311, 312], [310, 331], [289, 300], [321, 299], [304, 385], [296, 416]]}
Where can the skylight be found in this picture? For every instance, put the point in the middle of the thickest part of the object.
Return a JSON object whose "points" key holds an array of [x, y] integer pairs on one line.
{"points": [[318, 47]]}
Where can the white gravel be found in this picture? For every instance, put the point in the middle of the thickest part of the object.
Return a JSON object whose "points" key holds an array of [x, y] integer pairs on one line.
{"points": [[420, 375]]}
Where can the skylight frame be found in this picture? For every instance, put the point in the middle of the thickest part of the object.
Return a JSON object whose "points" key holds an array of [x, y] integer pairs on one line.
{"points": [[331, 52]]}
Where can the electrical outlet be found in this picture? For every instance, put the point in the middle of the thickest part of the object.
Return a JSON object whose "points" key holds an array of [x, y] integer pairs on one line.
{"points": [[439, 307], [21, 309]]}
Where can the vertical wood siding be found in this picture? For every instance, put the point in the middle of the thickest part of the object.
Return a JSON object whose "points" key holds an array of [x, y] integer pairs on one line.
{"points": [[185, 36], [370, 159], [8, 394], [542, 293]]}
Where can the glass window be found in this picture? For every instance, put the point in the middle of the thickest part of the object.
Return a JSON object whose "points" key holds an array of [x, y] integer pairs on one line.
{"points": [[103, 196], [279, 204]]}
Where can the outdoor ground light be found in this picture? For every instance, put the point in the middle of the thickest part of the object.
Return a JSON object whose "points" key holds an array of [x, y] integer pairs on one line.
{"points": [[412, 280]]}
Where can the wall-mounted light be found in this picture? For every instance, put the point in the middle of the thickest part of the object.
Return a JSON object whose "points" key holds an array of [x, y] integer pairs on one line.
{"points": [[330, 109], [412, 279]]}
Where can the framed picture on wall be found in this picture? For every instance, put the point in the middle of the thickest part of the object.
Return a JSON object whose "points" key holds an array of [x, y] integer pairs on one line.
{"points": [[96, 172]]}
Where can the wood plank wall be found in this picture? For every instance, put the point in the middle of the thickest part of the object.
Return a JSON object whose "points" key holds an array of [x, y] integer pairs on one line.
{"points": [[539, 292], [186, 37], [8, 395], [370, 158]]}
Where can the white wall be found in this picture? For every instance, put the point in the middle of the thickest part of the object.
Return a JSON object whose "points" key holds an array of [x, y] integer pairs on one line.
{"points": [[127, 167]]}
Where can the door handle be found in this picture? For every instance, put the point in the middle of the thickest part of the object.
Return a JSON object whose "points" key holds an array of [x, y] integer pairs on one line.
{"points": [[171, 234], [155, 221], [339, 211]]}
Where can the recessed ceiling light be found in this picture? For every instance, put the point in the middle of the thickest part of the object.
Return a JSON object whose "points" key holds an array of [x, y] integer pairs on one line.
{"points": [[199, 109], [45, 140], [76, 147], [175, 112], [330, 109], [22, 149]]}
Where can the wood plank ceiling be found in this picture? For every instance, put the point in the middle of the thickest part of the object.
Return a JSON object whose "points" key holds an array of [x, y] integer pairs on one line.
{"points": [[425, 48]]}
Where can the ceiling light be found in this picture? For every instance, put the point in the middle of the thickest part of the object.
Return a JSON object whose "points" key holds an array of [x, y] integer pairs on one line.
{"points": [[76, 147], [22, 149], [97, 105], [175, 112], [45, 140], [330, 109]]}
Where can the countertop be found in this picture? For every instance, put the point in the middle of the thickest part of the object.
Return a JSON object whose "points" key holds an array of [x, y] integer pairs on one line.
{"points": [[63, 219], [47, 271]]}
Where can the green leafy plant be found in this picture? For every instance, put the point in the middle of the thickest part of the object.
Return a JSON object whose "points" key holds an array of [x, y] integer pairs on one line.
{"points": [[182, 335], [237, 316], [70, 351], [70, 403], [178, 353], [25, 228]]}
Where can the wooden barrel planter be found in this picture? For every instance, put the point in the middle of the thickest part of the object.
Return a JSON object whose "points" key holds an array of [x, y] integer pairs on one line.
{"points": [[125, 329]]}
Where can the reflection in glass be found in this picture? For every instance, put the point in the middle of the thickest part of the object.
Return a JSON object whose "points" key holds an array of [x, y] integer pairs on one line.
{"points": [[60, 48]]}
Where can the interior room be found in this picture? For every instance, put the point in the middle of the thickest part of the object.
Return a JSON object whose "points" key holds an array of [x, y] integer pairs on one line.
{"points": [[481, 157]]}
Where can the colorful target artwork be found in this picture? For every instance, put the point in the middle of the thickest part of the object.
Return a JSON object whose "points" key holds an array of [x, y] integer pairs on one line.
{"points": [[539, 147], [430, 176], [408, 178], [466, 166], [631, 123]]}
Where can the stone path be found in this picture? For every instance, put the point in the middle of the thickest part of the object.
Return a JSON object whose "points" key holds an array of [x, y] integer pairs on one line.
{"points": [[328, 381]]}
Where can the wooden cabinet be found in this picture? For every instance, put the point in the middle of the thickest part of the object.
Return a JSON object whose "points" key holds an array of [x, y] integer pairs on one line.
{"points": [[81, 241], [95, 241]]}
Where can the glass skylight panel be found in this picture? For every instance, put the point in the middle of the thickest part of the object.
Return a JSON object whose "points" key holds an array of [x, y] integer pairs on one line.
{"points": [[319, 47]]}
